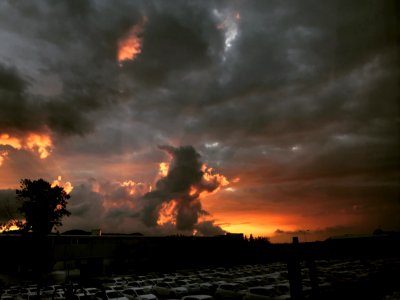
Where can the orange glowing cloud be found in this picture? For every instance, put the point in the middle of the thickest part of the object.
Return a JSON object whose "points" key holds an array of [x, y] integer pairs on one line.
{"points": [[6, 139], [166, 214], [130, 46], [209, 176], [67, 186], [3, 155], [193, 191], [136, 188], [35, 142], [41, 143]]}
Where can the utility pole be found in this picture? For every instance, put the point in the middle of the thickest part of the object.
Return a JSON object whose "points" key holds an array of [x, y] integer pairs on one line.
{"points": [[294, 270]]}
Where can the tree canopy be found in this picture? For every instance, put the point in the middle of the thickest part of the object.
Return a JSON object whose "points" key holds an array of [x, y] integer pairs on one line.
{"points": [[43, 205]]}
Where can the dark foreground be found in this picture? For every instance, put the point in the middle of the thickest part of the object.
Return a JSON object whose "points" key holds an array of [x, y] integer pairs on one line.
{"points": [[367, 268]]}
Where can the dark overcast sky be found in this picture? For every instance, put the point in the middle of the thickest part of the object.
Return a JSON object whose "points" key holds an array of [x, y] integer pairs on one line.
{"points": [[296, 103]]}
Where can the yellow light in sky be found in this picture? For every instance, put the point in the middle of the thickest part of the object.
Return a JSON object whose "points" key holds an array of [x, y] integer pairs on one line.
{"points": [[6, 139], [35, 142], [164, 168], [41, 142], [247, 229]]}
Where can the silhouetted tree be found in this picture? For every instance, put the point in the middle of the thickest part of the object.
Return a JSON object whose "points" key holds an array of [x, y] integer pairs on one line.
{"points": [[43, 205]]}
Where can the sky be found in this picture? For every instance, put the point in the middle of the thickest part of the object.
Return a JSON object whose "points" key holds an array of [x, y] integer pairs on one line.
{"points": [[271, 118]]}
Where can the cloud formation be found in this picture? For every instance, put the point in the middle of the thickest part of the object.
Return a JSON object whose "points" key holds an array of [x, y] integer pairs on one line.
{"points": [[297, 99], [172, 206], [180, 189]]}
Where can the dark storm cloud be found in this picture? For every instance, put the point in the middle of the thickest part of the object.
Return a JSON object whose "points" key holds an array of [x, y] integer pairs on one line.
{"points": [[84, 202], [81, 42], [280, 52], [185, 172], [208, 228], [78, 55], [173, 44], [16, 109], [101, 204]]}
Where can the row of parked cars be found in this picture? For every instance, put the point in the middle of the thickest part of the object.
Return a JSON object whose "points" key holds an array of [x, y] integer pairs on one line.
{"points": [[247, 282], [242, 282]]}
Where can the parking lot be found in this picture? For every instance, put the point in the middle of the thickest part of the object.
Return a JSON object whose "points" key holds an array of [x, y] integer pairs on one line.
{"points": [[247, 282]]}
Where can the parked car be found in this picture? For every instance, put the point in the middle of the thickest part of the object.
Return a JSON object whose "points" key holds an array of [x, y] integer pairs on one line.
{"points": [[207, 287], [146, 286], [192, 287], [110, 295], [107, 282], [138, 294], [82, 296], [230, 291], [169, 289], [117, 288], [119, 281], [260, 293], [91, 291]]}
